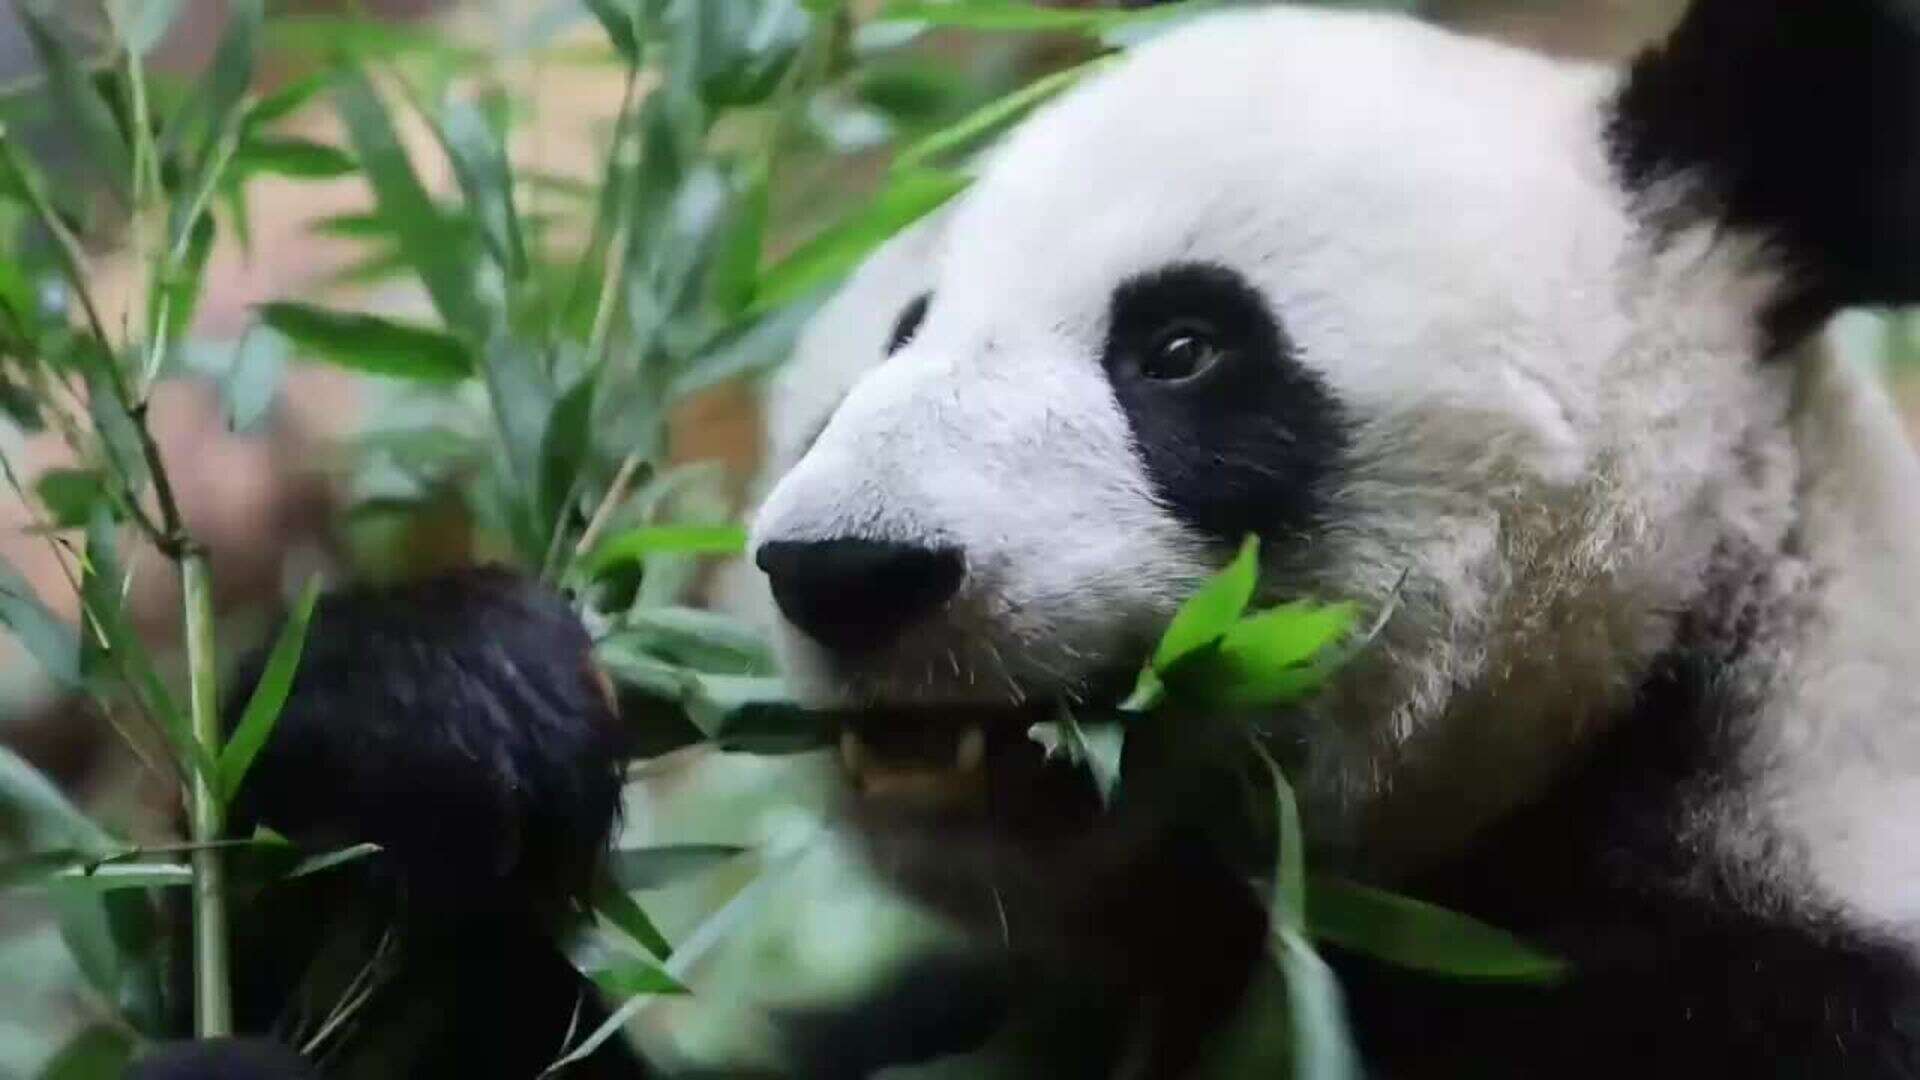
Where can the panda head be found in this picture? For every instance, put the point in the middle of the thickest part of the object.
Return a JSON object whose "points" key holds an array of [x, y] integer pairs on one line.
{"points": [[1513, 334]]}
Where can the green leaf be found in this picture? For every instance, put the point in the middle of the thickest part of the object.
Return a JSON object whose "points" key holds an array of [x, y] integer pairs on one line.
{"points": [[32, 806], [617, 17], [183, 281], [370, 343], [755, 715], [1097, 747], [289, 99], [115, 876], [636, 869], [486, 180], [286, 155], [46, 638], [909, 196], [99, 1052], [116, 945], [1412, 934], [995, 116], [77, 99], [315, 864], [252, 384], [635, 545], [35, 867], [108, 640], [706, 640], [143, 24], [329, 37], [1289, 908], [611, 902], [1207, 615], [436, 247], [70, 494], [256, 724], [1014, 15], [737, 263], [1322, 1044], [742, 48], [1267, 659], [744, 351], [565, 448]]}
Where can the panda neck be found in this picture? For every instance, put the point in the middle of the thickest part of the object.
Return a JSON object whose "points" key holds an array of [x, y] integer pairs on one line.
{"points": [[1769, 760], [1829, 766]]}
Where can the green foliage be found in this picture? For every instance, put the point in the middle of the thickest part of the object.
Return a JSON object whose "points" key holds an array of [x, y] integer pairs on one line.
{"points": [[256, 724]]}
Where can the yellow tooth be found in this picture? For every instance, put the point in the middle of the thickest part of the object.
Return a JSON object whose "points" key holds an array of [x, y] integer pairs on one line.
{"points": [[972, 751]]}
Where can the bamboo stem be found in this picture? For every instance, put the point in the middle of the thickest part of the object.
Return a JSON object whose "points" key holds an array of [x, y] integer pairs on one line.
{"points": [[212, 1004]]}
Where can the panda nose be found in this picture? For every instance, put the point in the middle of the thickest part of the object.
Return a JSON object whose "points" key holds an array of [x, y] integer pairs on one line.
{"points": [[854, 595]]}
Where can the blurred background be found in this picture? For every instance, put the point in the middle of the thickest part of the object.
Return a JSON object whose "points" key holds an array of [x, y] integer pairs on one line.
{"points": [[321, 467]]}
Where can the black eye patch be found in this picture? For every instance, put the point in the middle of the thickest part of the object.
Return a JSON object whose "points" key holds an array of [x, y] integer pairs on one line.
{"points": [[1236, 435], [908, 324]]}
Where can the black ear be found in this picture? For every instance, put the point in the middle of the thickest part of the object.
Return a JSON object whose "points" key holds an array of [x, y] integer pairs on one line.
{"points": [[1799, 120]]}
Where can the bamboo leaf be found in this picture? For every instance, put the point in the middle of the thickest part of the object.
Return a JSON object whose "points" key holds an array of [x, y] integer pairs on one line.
{"points": [[994, 116], [115, 876], [1275, 657], [737, 261], [143, 24], [98, 1052], [565, 448], [36, 809], [48, 640], [70, 494], [77, 98], [436, 247], [1322, 1045], [480, 166], [286, 155], [698, 638], [1096, 747], [328, 860], [108, 641], [1207, 615], [1412, 934], [613, 904], [617, 17], [1016, 15], [910, 195], [288, 100], [635, 545], [370, 343], [269, 696]]}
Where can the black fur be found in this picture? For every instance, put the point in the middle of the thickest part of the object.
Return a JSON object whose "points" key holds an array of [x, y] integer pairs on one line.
{"points": [[1675, 976], [222, 1059], [1802, 117], [459, 724], [1243, 447]]}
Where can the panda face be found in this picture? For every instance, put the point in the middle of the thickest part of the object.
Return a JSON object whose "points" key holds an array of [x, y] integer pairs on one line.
{"points": [[1156, 326], [1375, 292]]}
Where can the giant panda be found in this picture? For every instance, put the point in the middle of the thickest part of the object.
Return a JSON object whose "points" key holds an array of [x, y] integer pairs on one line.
{"points": [[1528, 355]]}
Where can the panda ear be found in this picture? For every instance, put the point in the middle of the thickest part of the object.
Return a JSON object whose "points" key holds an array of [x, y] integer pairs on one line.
{"points": [[1798, 120]]}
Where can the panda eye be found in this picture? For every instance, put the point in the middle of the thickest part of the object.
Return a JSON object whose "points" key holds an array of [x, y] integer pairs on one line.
{"points": [[1180, 352], [908, 324]]}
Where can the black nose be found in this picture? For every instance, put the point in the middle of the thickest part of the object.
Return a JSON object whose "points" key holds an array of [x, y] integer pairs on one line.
{"points": [[854, 595]]}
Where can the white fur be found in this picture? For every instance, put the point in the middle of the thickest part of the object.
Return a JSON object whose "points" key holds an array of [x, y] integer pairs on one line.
{"points": [[1559, 432]]}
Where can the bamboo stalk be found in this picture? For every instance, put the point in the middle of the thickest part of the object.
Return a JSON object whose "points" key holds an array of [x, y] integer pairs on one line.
{"points": [[212, 1004]]}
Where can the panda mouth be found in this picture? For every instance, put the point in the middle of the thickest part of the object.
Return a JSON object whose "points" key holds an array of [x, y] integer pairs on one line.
{"points": [[930, 758]]}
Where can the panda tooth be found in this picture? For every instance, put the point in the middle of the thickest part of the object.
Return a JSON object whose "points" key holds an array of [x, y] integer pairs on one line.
{"points": [[853, 752], [972, 751]]}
